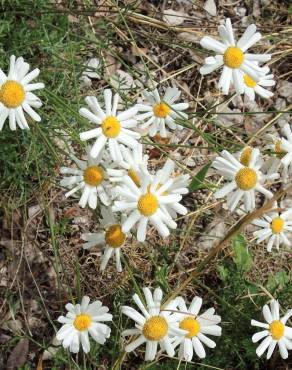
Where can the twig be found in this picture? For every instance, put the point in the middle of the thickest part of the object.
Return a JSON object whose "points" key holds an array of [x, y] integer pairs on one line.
{"points": [[240, 225]]}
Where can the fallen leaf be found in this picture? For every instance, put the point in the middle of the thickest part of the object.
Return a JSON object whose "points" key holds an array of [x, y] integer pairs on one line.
{"points": [[52, 350], [173, 17], [138, 51], [210, 7], [17, 357], [256, 11], [71, 212], [111, 65], [122, 80], [189, 37], [33, 210], [214, 232], [161, 140], [40, 364], [14, 326], [285, 89]]}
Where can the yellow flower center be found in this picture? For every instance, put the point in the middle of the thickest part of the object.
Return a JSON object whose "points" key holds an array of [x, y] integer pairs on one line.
{"points": [[155, 328], [133, 175], [245, 156], [278, 149], [161, 110], [111, 127], [277, 329], [249, 81], [233, 57], [147, 204], [82, 322], [277, 225], [93, 175], [246, 178], [114, 236], [191, 325], [12, 94]]}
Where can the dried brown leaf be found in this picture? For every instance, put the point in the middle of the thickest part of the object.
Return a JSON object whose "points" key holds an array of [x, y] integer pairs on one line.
{"points": [[18, 355]]}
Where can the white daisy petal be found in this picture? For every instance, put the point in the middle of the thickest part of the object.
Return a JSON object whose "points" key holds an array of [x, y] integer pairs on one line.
{"points": [[283, 349], [267, 314], [136, 343], [263, 346], [271, 349], [198, 347], [212, 44], [260, 335]]}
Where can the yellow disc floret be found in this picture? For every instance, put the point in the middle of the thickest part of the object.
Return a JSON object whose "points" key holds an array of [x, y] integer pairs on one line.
{"points": [[12, 94], [277, 225], [233, 57], [246, 178], [111, 127], [93, 175], [190, 325], [147, 204], [277, 329], [82, 321], [155, 328], [161, 110], [135, 178], [278, 149], [245, 156], [114, 236], [249, 81]]}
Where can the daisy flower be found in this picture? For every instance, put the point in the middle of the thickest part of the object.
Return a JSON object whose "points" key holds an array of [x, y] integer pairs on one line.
{"points": [[134, 164], [80, 322], [16, 96], [244, 156], [252, 87], [275, 331], [273, 227], [90, 177], [196, 326], [244, 180], [274, 144], [286, 146], [161, 112], [147, 204], [179, 186], [153, 327], [113, 128], [112, 237], [232, 55], [274, 163]]}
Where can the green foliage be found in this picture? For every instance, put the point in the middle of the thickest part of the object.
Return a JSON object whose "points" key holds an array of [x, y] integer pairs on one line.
{"points": [[242, 257], [237, 309], [278, 281], [198, 180], [161, 276]]}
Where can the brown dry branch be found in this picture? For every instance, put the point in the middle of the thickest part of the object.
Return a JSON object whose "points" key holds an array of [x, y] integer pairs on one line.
{"points": [[239, 226]]}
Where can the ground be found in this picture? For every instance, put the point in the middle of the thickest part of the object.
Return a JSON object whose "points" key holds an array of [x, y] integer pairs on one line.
{"points": [[42, 263]]}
